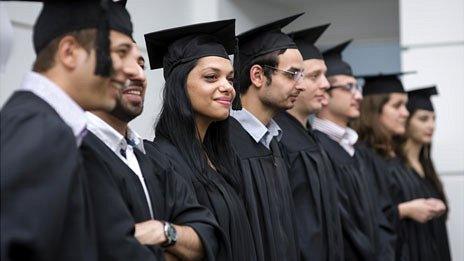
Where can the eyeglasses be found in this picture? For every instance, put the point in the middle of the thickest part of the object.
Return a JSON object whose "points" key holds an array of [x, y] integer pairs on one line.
{"points": [[295, 75], [351, 87]]}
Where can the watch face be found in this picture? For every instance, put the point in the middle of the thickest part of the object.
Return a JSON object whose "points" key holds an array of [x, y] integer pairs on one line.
{"points": [[172, 233]]}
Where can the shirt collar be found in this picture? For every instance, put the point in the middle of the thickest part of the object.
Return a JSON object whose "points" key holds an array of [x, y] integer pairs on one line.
{"points": [[68, 110], [113, 139], [335, 131], [257, 130]]}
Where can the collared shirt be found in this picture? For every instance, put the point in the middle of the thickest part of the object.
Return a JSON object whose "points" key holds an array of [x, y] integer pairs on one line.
{"points": [[118, 144], [260, 132], [68, 110], [344, 136]]}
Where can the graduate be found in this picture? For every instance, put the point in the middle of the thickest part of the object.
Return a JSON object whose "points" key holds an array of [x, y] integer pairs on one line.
{"points": [[415, 150], [192, 129], [310, 172], [127, 188], [383, 119], [270, 80], [46, 210], [366, 231]]}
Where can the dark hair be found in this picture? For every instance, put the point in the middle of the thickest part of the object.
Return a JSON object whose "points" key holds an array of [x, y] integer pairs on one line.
{"points": [[176, 123], [46, 57], [425, 160], [269, 59], [368, 127]]}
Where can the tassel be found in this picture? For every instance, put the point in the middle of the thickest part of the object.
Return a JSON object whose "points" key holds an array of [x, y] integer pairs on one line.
{"points": [[237, 103], [104, 65]]}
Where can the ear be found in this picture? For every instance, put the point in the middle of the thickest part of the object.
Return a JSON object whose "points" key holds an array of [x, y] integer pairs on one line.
{"points": [[68, 52], [257, 76]]}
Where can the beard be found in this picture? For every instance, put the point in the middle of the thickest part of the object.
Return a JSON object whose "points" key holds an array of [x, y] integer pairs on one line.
{"points": [[126, 112]]}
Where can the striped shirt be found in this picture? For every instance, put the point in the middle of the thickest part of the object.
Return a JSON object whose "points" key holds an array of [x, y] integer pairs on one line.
{"points": [[344, 136]]}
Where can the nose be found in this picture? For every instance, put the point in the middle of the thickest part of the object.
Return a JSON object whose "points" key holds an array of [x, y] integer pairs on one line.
{"points": [[226, 86], [325, 85], [404, 111], [358, 95], [300, 86], [133, 70]]}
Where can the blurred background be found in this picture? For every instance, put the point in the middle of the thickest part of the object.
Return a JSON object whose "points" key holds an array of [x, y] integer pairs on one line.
{"points": [[389, 36]]}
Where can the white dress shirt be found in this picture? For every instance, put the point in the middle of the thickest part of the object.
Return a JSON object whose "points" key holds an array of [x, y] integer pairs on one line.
{"points": [[117, 143], [344, 136], [68, 110], [257, 130]]}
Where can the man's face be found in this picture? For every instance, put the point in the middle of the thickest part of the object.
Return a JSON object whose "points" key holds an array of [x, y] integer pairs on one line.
{"points": [[284, 88], [129, 102], [311, 100], [100, 93], [343, 101]]}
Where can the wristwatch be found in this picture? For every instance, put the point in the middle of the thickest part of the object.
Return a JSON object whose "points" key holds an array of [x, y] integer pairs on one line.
{"points": [[170, 233]]}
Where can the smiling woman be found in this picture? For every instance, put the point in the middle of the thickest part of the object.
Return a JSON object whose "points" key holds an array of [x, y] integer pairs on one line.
{"points": [[192, 129]]}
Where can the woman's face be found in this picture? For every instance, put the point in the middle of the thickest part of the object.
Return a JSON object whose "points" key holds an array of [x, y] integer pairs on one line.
{"points": [[209, 88], [394, 114], [421, 126]]}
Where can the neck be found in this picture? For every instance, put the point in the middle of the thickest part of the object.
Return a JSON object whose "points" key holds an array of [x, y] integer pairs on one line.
{"points": [[302, 117], [262, 112], [115, 123], [412, 150], [326, 115], [202, 125], [58, 77]]}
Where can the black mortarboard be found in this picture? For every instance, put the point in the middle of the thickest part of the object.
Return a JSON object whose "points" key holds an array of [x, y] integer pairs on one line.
{"points": [[264, 39], [334, 62], [59, 17], [420, 98], [305, 40], [172, 47], [383, 83]]}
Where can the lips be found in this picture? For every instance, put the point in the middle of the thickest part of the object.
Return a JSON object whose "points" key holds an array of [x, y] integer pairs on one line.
{"points": [[133, 94], [226, 101]]}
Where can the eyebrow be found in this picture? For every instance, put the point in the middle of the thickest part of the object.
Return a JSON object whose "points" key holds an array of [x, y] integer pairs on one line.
{"points": [[214, 69], [127, 45], [295, 69]]}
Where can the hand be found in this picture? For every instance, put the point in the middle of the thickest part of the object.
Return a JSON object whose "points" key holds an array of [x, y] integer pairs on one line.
{"points": [[150, 232], [438, 205], [419, 210]]}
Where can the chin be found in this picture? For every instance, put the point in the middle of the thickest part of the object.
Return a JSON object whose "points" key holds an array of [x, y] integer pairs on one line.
{"points": [[426, 140], [400, 131], [220, 117]]}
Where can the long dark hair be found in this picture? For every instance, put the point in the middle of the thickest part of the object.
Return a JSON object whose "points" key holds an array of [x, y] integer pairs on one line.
{"points": [[369, 128], [425, 160], [176, 123]]}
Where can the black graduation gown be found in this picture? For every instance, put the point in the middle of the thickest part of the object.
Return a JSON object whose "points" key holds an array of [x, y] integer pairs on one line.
{"points": [[367, 233], [314, 192], [424, 242], [267, 196], [46, 211], [120, 202], [219, 197]]}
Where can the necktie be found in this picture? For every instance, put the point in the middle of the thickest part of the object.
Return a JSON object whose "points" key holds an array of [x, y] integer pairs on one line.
{"points": [[274, 145]]}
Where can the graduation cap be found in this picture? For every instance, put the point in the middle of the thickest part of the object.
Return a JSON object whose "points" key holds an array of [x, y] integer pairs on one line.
{"points": [[383, 83], [265, 39], [305, 40], [172, 47], [420, 98], [59, 17], [334, 62]]}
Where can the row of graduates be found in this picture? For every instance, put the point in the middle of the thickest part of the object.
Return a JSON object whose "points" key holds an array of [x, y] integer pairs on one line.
{"points": [[252, 183]]}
